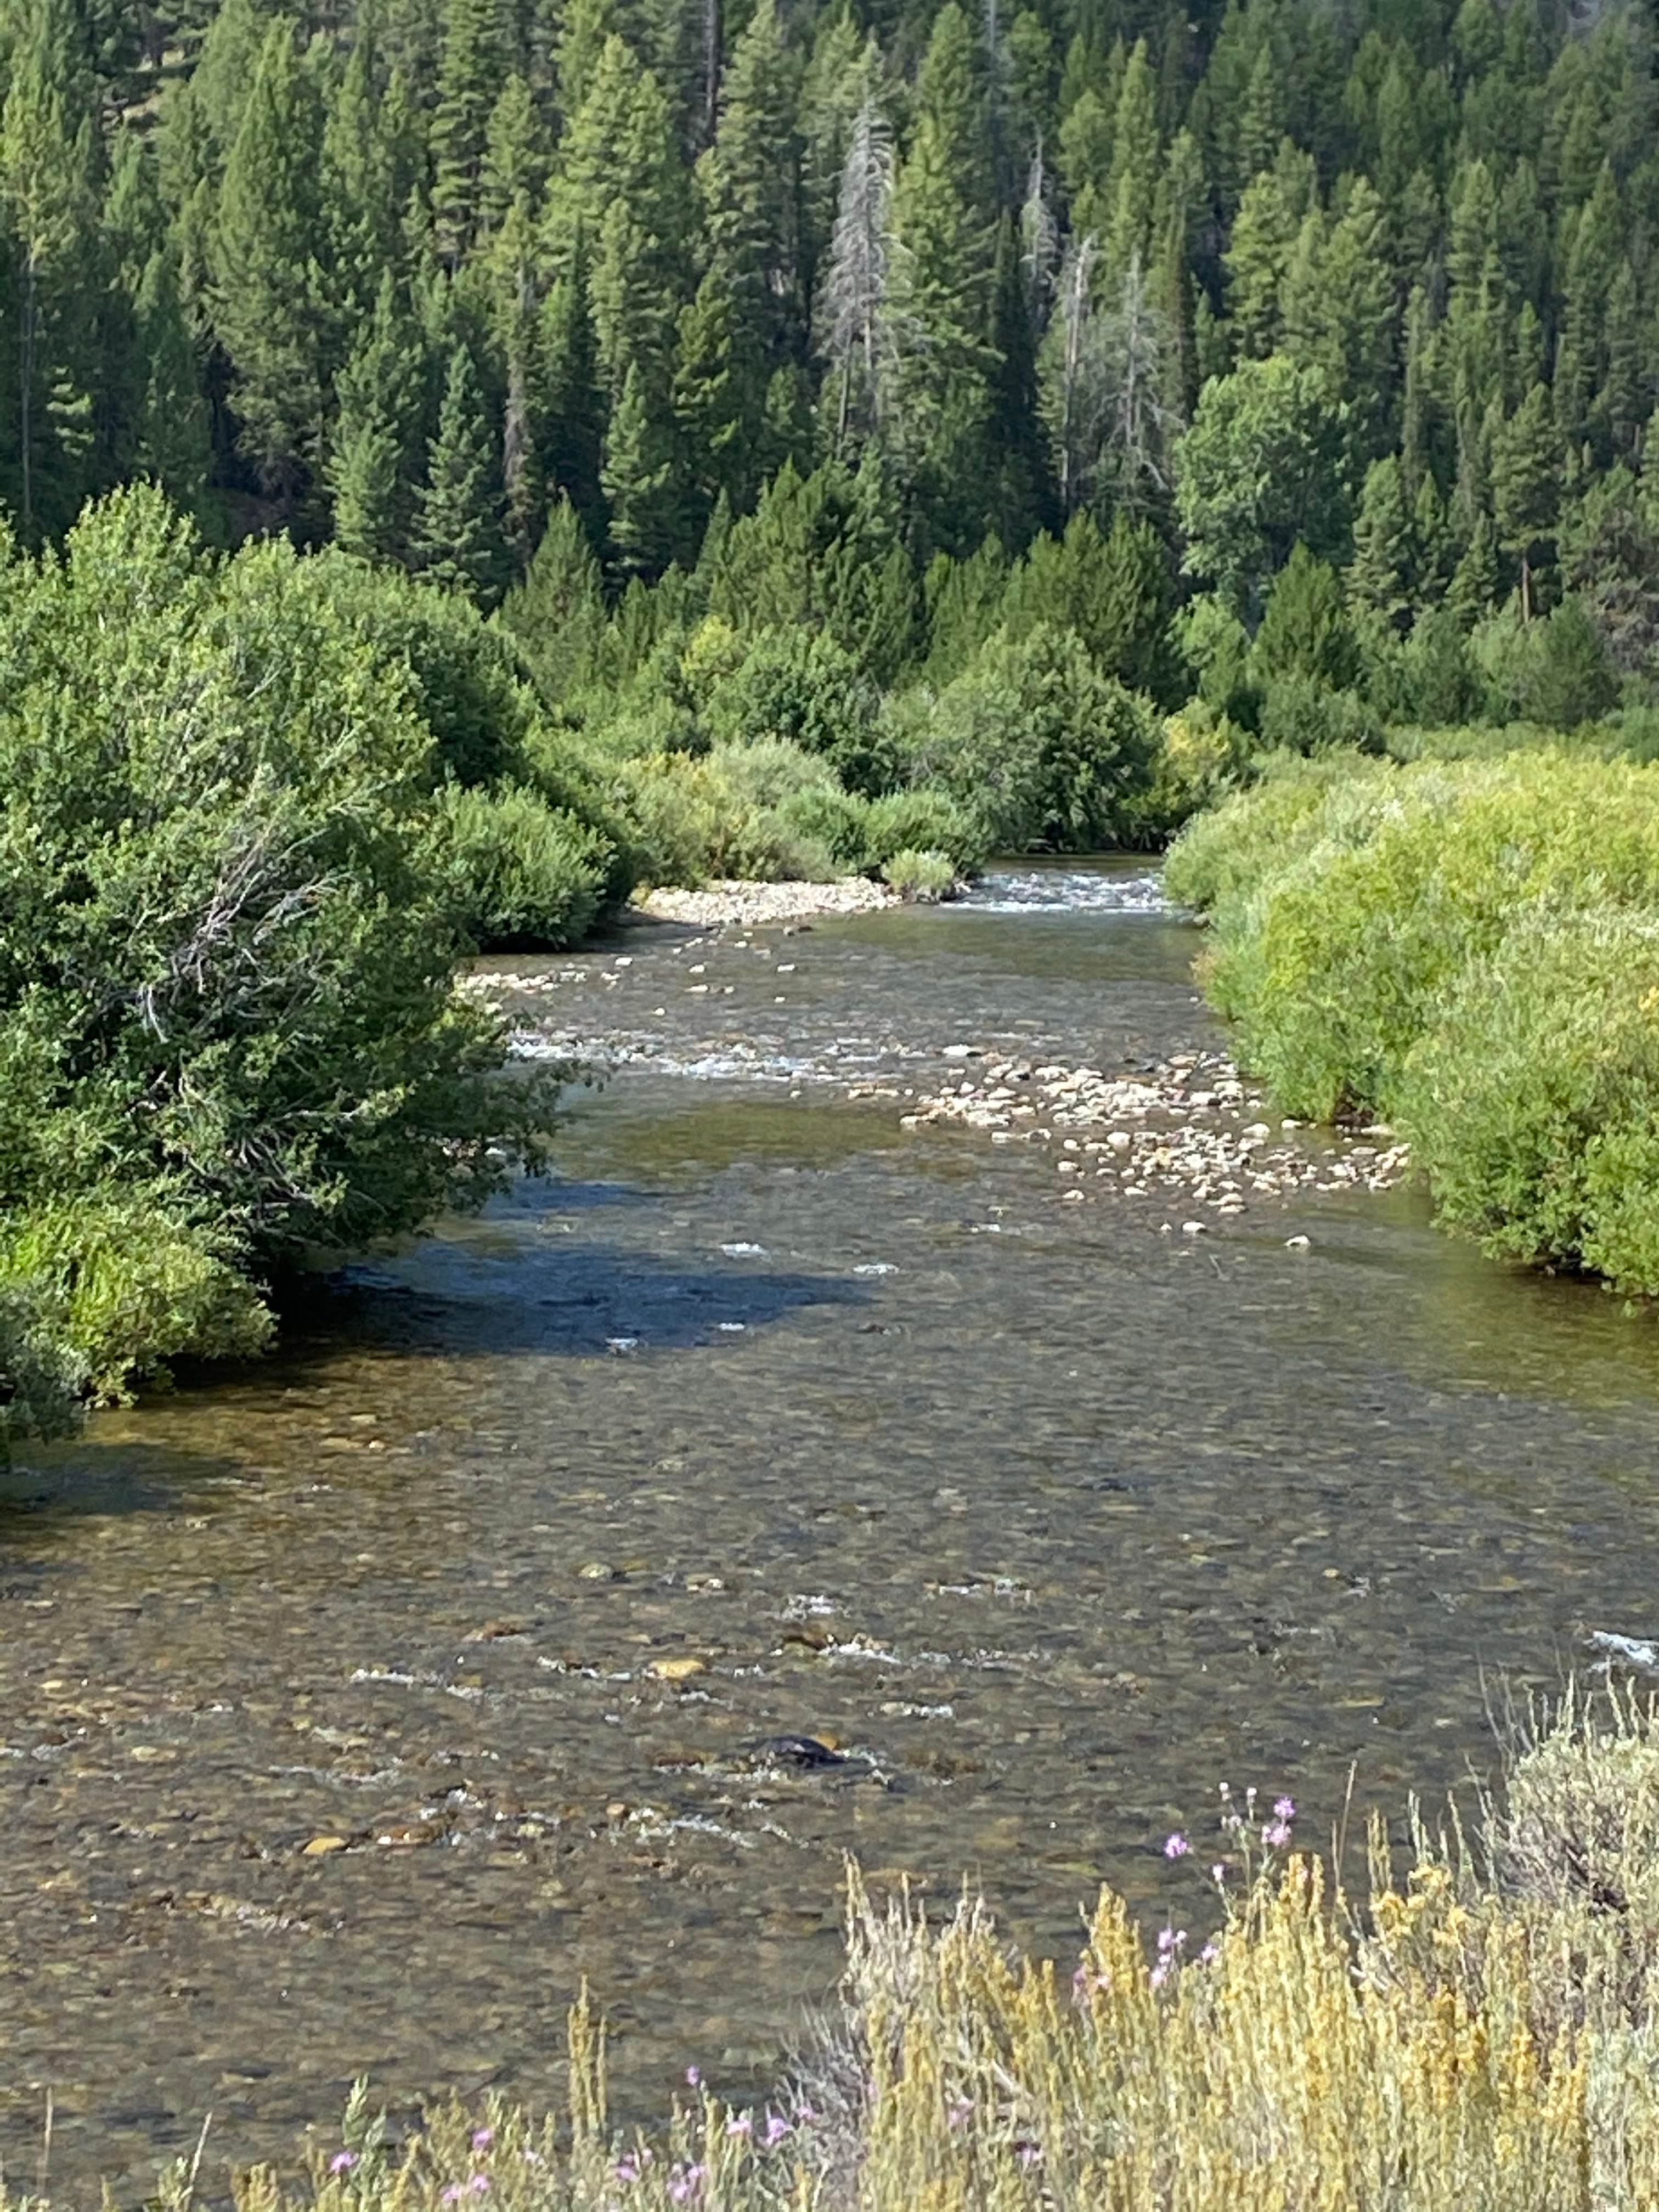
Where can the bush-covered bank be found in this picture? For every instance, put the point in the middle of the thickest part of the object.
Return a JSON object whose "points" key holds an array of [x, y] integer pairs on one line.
{"points": [[1476, 2035], [1469, 949], [245, 808]]}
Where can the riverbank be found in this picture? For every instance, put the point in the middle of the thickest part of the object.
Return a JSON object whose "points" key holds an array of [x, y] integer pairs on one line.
{"points": [[1479, 2033], [1470, 952]]}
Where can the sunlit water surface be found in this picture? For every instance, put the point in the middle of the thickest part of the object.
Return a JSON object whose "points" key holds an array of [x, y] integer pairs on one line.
{"points": [[1048, 1520]]}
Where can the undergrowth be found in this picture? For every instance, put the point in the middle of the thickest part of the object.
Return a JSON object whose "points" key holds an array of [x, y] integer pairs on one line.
{"points": [[1476, 2034]]}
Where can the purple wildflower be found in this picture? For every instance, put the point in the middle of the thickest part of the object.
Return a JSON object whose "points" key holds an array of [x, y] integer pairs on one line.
{"points": [[1160, 1974], [1030, 2154], [961, 2112], [743, 2126], [342, 2161], [628, 2169], [1276, 1834], [693, 2076], [452, 2194], [777, 2128], [1218, 1871], [482, 2137], [1175, 1846], [1284, 1808], [480, 2184]]}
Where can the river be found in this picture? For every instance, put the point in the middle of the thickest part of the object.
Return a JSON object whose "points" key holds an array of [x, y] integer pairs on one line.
{"points": [[353, 1707]]}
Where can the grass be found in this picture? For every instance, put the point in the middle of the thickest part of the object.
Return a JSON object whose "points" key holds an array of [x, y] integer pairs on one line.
{"points": [[1478, 2034]]}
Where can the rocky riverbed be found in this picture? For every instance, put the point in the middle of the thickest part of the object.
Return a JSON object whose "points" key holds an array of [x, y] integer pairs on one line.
{"points": [[1185, 1126]]}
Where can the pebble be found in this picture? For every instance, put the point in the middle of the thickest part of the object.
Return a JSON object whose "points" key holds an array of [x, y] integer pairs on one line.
{"points": [[1180, 1125], [735, 903], [322, 1847], [678, 1670]]}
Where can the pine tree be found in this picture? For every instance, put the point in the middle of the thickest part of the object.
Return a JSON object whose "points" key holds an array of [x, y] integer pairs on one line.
{"points": [[571, 396], [750, 180], [379, 394], [1275, 206], [457, 533], [267, 286], [639, 481], [1379, 576], [173, 442], [942, 287], [1526, 459], [369, 165], [719, 398], [469, 77], [1133, 181], [48, 189]]}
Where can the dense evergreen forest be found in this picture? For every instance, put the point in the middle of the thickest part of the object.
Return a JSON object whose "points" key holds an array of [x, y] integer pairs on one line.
{"points": [[450, 281]]}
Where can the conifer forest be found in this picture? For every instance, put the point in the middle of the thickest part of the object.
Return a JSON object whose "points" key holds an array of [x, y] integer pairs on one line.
{"points": [[455, 282]]}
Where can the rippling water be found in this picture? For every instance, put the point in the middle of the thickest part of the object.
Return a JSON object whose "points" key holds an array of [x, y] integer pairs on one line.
{"points": [[1048, 1522]]}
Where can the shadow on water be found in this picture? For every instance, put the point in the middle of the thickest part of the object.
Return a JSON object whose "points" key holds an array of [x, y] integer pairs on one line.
{"points": [[509, 1282]]}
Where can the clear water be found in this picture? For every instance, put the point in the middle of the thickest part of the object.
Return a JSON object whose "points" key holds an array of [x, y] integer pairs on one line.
{"points": [[1050, 1522]]}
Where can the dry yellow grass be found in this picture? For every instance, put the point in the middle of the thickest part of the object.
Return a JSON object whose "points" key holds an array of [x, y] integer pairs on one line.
{"points": [[1478, 2035]]}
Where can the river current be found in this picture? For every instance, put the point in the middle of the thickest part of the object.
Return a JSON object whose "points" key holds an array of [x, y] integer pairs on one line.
{"points": [[354, 1707]]}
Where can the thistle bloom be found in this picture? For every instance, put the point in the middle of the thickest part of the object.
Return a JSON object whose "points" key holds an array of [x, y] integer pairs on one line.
{"points": [[743, 2126], [342, 2161], [1218, 1871], [482, 2137], [1175, 1846], [1284, 1808], [693, 2076], [777, 2128], [1276, 1834]]}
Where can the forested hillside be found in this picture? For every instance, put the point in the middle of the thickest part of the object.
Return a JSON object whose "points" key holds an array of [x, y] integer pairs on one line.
{"points": [[1379, 279]]}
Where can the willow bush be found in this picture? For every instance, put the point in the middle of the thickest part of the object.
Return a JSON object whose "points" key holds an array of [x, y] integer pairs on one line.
{"points": [[1478, 2034], [1465, 948]]}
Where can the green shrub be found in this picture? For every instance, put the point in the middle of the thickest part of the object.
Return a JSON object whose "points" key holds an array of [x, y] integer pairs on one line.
{"points": [[1533, 1102], [735, 811], [523, 874], [1040, 747], [1556, 671], [923, 876], [115, 1288], [922, 819], [1299, 715], [1336, 956], [225, 955], [838, 820], [802, 686]]}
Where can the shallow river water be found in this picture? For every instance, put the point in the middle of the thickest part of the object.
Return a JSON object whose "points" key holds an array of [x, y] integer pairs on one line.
{"points": [[340, 1729]]}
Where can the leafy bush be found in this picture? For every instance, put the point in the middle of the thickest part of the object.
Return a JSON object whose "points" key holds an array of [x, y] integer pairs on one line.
{"points": [[522, 873], [225, 956], [1040, 747], [734, 812], [1557, 672], [1533, 1100], [1472, 949], [802, 686], [923, 876], [923, 819], [1335, 961]]}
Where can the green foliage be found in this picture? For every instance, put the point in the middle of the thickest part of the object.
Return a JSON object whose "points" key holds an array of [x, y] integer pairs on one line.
{"points": [[806, 688], [227, 1038], [1041, 746], [1470, 948], [1557, 672], [922, 876], [520, 873], [1533, 1102], [739, 810]]}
